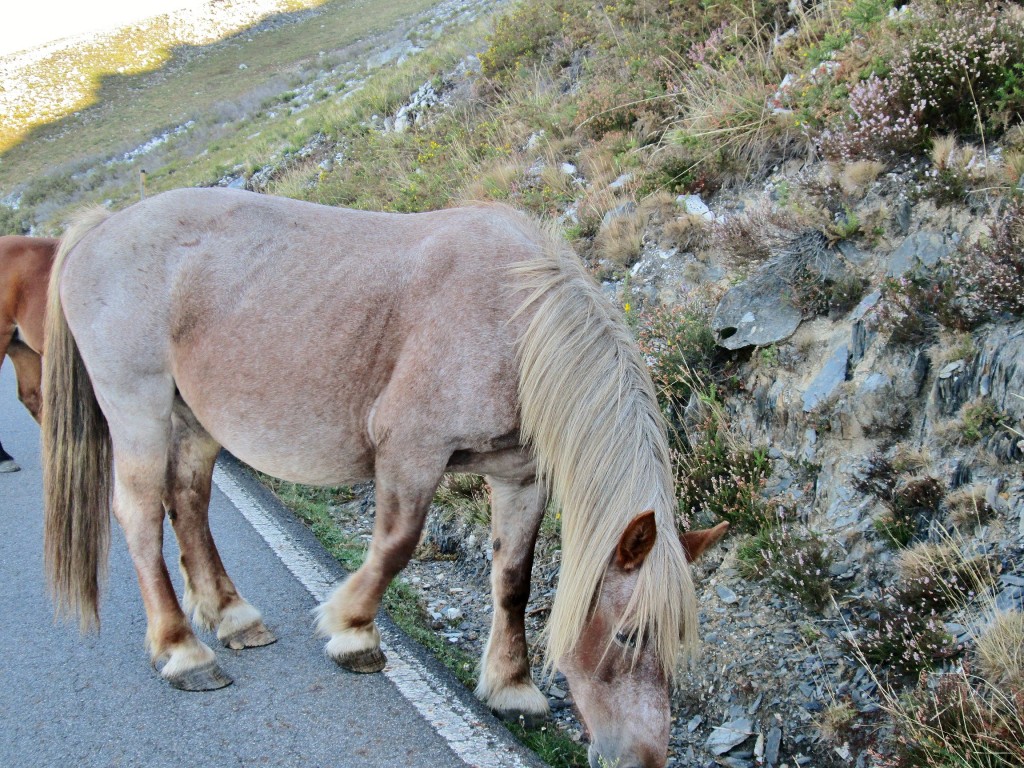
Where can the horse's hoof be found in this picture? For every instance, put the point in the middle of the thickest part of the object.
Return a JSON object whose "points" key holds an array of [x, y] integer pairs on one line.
{"points": [[9, 465], [528, 720], [208, 677], [254, 636], [364, 662]]}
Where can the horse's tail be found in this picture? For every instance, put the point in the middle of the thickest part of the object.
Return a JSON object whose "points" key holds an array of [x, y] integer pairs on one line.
{"points": [[77, 469]]}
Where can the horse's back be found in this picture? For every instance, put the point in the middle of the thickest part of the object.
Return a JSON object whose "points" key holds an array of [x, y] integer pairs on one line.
{"points": [[314, 324]]}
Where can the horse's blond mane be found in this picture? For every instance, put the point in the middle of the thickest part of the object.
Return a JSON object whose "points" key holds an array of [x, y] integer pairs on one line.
{"points": [[590, 410]]}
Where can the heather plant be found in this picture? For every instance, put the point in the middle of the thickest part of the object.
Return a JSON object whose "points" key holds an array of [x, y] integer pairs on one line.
{"points": [[880, 123], [907, 310], [965, 715], [961, 65], [987, 279], [678, 345], [793, 559], [910, 503], [959, 71], [902, 637], [910, 507], [718, 477]]}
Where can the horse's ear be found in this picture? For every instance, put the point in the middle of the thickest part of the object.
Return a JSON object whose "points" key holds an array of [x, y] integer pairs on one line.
{"points": [[636, 541], [695, 542]]}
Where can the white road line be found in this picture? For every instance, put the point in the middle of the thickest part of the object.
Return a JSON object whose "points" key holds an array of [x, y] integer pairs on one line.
{"points": [[468, 737]]}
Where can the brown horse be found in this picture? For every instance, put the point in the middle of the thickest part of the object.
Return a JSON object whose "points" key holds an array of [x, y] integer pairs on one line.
{"points": [[24, 274], [329, 346]]}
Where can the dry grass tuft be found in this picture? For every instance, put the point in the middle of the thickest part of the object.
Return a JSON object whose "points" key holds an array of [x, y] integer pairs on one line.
{"points": [[856, 177], [496, 183], [927, 561], [621, 239], [757, 233], [1000, 652], [688, 232], [944, 151], [1013, 166], [967, 507], [911, 460], [835, 721]]}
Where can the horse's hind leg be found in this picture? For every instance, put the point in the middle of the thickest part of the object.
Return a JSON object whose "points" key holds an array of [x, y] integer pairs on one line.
{"points": [[505, 683], [140, 467], [28, 368], [404, 492], [209, 592]]}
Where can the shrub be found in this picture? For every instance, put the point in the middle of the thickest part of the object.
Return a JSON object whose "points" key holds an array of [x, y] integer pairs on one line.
{"points": [[519, 37], [902, 637], [677, 342], [909, 503], [910, 306], [979, 418], [971, 716], [796, 561], [717, 477], [987, 279], [959, 72]]}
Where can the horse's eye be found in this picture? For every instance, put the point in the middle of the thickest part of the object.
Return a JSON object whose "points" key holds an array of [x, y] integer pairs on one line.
{"points": [[627, 639]]}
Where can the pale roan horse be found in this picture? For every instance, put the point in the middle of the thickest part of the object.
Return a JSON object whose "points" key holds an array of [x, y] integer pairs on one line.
{"points": [[331, 346], [24, 274]]}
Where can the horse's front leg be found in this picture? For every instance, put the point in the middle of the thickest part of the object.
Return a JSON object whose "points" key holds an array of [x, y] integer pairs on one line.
{"points": [[7, 462], [404, 492], [209, 592], [506, 684]]}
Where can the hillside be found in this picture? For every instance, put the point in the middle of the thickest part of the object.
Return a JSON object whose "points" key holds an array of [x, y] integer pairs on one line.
{"points": [[812, 217]]}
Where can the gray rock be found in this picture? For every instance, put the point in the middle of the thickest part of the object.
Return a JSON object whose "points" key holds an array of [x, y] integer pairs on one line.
{"points": [[901, 218], [735, 762], [626, 209], [694, 206], [832, 374], [756, 312], [622, 181], [694, 723], [771, 747], [1010, 599], [726, 595], [921, 248], [861, 333], [853, 254], [729, 735]]}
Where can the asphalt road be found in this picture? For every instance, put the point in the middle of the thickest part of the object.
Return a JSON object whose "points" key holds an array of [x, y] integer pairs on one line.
{"points": [[88, 701]]}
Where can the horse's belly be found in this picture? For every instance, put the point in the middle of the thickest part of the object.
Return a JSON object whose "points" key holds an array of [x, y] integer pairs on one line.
{"points": [[293, 429]]}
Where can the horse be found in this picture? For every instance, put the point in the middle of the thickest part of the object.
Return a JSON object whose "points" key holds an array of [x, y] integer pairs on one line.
{"points": [[24, 274], [330, 346]]}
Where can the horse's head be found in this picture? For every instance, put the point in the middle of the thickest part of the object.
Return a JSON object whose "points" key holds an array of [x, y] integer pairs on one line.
{"points": [[617, 681]]}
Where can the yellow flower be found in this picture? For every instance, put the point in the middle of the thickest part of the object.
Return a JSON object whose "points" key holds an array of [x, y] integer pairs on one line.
{"points": [[626, 306]]}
